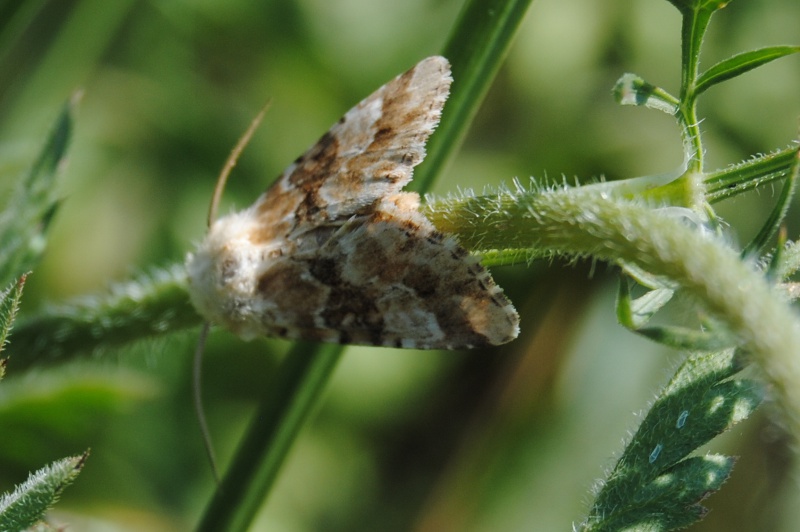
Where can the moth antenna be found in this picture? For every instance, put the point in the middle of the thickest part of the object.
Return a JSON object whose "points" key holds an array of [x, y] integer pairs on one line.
{"points": [[197, 363], [198, 399], [233, 158]]}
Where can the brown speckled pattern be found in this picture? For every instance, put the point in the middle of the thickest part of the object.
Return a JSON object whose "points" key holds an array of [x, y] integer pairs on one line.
{"points": [[334, 251]]}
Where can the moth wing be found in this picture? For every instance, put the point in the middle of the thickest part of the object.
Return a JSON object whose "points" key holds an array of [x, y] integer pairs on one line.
{"points": [[369, 154], [388, 279]]}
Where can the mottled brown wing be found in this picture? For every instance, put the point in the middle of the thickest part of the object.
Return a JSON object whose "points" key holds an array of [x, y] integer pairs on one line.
{"points": [[388, 279], [369, 154]]}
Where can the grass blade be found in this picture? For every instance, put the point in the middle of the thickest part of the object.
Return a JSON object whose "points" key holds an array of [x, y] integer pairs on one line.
{"points": [[476, 49]]}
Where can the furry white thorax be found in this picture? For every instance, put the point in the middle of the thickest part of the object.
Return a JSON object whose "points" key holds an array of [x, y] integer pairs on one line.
{"points": [[223, 270]]}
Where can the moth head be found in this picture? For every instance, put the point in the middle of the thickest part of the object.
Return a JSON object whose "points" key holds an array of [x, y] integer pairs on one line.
{"points": [[222, 268]]}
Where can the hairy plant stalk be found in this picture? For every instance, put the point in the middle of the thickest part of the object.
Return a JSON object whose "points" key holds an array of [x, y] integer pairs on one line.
{"points": [[577, 222]]}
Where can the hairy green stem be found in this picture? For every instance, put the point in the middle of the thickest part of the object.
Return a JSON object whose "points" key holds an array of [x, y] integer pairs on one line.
{"points": [[749, 175], [695, 21], [579, 222], [148, 307]]}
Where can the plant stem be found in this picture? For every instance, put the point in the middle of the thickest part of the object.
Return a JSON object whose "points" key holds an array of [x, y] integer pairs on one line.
{"points": [[151, 306], [288, 399], [577, 222], [749, 174]]}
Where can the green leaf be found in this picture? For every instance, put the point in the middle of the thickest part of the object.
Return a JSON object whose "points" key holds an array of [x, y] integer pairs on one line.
{"points": [[30, 209], [29, 501], [741, 63], [681, 422], [634, 314], [671, 501], [654, 485], [775, 265], [643, 308], [9, 306], [696, 16]]}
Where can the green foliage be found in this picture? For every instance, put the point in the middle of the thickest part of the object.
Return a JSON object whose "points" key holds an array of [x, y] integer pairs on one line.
{"points": [[656, 485], [31, 207], [777, 217], [30, 500], [749, 175], [23, 227], [54, 410], [283, 410], [636, 313]]}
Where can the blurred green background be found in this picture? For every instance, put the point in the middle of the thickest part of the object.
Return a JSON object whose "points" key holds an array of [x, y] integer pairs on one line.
{"points": [[507, 440]]}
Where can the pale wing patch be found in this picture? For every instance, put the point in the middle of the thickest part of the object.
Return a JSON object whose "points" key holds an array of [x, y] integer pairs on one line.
{"points": [[334, 251]]}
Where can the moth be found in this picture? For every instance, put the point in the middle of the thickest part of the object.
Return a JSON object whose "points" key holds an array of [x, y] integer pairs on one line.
{"points": [[335, 251]]}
